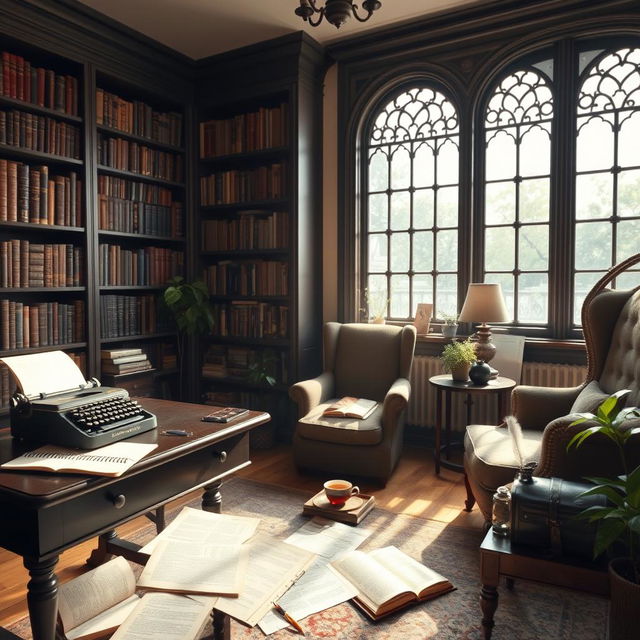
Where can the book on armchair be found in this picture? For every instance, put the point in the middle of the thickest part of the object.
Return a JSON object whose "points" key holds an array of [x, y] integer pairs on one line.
{"points": [[388, 580], [349, 407]]}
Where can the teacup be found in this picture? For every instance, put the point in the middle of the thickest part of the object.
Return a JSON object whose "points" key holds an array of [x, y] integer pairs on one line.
{"points": [[339, 491]]}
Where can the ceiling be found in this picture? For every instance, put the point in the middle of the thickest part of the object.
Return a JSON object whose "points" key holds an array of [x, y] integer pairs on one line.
{"points": [[200, 28]]}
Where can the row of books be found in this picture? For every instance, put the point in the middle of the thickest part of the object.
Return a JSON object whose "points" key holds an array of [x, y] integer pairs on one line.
{"points": [[119, 361], [29, 194], [33, 264], [251, 319], [39, 133], [246, 132], [255, 278], [41, 324], [21, 80], [131, 316], [8, 383], [243, 185], [223, 361], [145, 266], [132, 156], [247, 231], [127, 216], [138, 118], [125, 189]]}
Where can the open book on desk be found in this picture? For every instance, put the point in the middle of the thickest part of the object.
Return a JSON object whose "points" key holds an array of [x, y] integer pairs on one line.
{"points": [[349, 407], [388, 580]]}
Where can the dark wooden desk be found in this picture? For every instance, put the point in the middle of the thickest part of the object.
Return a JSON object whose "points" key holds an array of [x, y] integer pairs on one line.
{"points": [[43, 514], [498, 558]]}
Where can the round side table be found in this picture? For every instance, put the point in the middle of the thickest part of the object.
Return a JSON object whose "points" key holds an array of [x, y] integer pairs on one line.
{"points": [[445, 386]]}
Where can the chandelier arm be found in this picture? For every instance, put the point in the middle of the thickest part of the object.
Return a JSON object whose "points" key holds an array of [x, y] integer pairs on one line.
{"points": [[319, 20], [354, 10], [313, 6]]}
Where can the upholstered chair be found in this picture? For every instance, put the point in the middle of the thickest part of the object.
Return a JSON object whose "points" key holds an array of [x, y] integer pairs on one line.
{"points": [[611, 325], [370, 361]]}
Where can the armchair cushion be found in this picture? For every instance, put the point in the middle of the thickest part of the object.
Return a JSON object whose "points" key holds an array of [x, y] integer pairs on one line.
{"points": [[589, 398], [341, 430], [494, 448]]}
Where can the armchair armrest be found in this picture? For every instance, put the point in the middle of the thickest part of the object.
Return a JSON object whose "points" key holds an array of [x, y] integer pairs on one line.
{"points": [[395, 401], [535, 407], [310, 393]]}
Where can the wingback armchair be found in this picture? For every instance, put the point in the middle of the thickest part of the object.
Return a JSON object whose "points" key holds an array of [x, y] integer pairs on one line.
{"points": [[370, 361], [611, 326]]}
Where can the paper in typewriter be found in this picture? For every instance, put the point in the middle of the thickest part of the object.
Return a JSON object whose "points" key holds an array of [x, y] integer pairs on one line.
{"points": [[47, 372]]}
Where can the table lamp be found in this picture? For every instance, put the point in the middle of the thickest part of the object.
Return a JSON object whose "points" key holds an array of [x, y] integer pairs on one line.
{"points": [[484, 303]]}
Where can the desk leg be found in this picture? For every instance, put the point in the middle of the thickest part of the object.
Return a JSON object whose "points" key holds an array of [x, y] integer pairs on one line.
{"points": [[221, 626], [102, 554], [42, 597], [211, 498]]}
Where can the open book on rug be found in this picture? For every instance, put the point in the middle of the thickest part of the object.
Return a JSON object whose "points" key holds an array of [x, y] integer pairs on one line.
{"points": [[349, 407], [388, 580]]}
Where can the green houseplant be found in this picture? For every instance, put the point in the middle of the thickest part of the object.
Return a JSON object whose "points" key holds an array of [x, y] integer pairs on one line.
{"points": [[457, 358], [188, 303], [618, 523]]}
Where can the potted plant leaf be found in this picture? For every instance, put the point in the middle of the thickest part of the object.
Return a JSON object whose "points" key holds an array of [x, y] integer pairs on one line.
{"points": [[618, 523], [188, 303], [457, 358]]}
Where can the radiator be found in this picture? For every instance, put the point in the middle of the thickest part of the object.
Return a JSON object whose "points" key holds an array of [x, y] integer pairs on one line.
{"points": [[421, 410]]}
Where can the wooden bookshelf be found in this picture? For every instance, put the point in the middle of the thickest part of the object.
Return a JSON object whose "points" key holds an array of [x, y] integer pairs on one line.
{"points": [[259, 223]]}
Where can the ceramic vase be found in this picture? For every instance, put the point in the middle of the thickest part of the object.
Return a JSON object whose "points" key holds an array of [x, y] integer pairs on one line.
{"points": [[449, 330], [480, 373]]}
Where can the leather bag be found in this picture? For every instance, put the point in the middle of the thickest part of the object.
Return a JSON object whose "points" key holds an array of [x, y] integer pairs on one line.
{"points": [[544, 516]]}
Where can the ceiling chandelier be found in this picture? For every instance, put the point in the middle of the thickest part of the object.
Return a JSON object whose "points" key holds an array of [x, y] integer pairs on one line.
{"points": [[335, 11]]}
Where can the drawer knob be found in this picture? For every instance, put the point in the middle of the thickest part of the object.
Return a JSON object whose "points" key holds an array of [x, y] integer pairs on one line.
{"points": [[119, 501], [221, 455]]}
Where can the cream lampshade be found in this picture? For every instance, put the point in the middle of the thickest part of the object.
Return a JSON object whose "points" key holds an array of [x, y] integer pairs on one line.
{"points": [[484, 303]]}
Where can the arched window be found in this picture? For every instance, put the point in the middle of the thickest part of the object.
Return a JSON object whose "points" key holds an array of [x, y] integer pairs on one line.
{"points": [[607, 180], [518, 133], [411, 219]]}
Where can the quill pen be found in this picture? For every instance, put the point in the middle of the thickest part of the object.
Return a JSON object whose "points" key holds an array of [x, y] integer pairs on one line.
{"points": [[517, 441]]}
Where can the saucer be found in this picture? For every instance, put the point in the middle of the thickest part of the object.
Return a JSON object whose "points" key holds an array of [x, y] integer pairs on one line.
{"points": [[354, 502]]}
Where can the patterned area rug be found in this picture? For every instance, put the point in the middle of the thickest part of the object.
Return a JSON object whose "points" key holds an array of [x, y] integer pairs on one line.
{"points": [[529, 612]]}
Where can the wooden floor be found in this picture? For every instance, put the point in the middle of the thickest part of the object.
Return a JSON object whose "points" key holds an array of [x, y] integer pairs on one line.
{"points": [[414, 489]]}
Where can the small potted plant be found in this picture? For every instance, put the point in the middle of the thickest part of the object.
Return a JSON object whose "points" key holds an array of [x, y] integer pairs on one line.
{"points": [[618, 523], [457, 358], [450, 326], [376, 306]]}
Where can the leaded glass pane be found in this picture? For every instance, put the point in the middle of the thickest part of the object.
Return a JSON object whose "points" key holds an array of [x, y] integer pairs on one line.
{"points": [[583, 283], [448, 207], [507, 284], [533, 247], [629, 139], [593, 245], [423, 166], [629, 192], [377, 252], [500, 248], [378, 204], [400, 167], [535, 150], [378, 171], [533, 304], [628, 232], [447, 250], [534, 200], [448, 163], [423, 209], [594, 146], [500, 203], [400, 210], [423, 251], [422, 288], [501, 154], [399, 252], [446, 294], [400, 301], [594, 196]]}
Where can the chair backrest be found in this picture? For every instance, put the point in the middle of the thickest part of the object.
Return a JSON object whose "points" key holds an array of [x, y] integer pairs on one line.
{"points": [[611, 324], [367, 359]]}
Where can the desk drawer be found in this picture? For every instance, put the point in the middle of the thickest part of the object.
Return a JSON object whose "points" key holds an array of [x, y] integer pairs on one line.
{"points": [[110, 505]]}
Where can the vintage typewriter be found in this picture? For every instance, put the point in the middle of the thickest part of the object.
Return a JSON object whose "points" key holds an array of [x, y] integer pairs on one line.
{"points": [[84, 418]]}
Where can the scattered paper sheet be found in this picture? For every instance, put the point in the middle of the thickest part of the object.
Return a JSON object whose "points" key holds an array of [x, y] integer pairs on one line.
{"points": [[319, 588], [47, 372], [192, 526]]}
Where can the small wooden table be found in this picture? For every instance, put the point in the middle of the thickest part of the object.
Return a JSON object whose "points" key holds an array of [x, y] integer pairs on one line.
{"points": [[498, 558]]}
